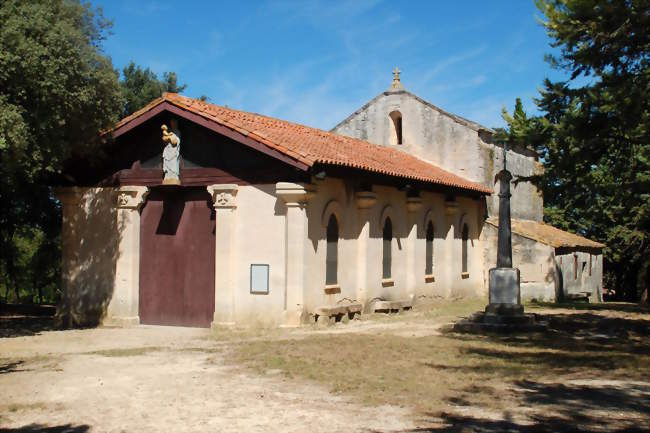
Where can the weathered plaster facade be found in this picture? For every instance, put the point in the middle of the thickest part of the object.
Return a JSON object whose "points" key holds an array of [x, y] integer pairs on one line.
{"points": [[281, 225]]}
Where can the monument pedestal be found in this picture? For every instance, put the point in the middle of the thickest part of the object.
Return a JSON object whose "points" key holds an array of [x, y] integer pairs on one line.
{"points": [[504, 313]]}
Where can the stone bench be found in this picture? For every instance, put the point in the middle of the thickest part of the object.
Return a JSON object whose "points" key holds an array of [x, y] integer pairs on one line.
{"points": [[381, 306], [330, 314], [577, 297]]}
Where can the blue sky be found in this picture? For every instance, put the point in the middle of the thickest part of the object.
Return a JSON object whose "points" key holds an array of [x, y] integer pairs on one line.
{"points": [[316, 61]]}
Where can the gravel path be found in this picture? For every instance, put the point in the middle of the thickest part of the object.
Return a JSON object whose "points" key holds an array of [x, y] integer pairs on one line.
{"points": [[162, 379]]}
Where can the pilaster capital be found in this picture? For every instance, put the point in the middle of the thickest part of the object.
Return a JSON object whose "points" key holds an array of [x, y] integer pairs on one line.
{"points": [[294, 193], [131, 197], [69, 196], [413, 204], [451, 207], [223, 195], [365, 199]]}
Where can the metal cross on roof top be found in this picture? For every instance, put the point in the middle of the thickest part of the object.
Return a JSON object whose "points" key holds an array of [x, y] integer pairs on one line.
{"points": [[396, 72]]}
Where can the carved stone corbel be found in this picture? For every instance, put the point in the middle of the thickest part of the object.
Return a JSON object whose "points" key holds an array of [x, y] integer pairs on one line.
{"points": [[365, 199], [223, 195], [131, 197], [413, 204]]}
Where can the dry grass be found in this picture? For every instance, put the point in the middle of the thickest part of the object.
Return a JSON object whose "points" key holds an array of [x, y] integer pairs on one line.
{"points": [[131, 351], [433, 373]]}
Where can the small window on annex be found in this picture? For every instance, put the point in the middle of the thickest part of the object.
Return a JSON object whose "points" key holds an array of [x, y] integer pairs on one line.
{"points": [[428, 268], [396, 117], [332, 254], [464, 248], [387, 256]]}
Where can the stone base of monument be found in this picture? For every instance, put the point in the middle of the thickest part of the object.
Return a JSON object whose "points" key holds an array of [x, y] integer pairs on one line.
{"points": [[171, 182], [484, 322], [504, 313]]}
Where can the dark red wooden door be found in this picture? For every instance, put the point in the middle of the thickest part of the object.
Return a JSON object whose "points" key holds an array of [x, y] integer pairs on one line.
{"points": [[177, 258]]}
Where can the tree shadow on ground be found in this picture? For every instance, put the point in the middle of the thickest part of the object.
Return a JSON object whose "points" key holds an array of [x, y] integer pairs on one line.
{"points": [[576, 340], [558, 408], [23, 326], [452, 423], [40, 428], [11, 367], [587, 372], [623, 307]]}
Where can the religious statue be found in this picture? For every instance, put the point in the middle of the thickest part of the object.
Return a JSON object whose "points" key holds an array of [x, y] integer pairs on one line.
{"points": [[171, 156]]}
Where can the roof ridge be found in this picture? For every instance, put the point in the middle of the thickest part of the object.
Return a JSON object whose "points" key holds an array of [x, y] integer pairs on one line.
{"points": [[310, 145], [459, 119]]}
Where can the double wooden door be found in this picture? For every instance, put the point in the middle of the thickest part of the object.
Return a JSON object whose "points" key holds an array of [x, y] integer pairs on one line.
{"points": [[177, 250]]}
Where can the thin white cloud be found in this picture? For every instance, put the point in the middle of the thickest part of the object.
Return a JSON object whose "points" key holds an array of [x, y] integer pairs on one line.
{"points": [[450, 61]]}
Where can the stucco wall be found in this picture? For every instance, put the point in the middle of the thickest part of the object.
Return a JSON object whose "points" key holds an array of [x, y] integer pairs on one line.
{"points": [[90, 239], [408, 247], [259, 224], [448, 143], [260, 239], [581, 281]]}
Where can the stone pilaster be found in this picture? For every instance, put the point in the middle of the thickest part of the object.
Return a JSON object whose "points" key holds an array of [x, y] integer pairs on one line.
{"points": [[295, 196], [365, 201], [452, 256], [225, 205], [413, 205], [123, 309], [70, 198]]}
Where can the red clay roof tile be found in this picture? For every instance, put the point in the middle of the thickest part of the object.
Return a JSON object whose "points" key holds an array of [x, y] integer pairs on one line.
{"points": [[547, 234], [311, 146]]}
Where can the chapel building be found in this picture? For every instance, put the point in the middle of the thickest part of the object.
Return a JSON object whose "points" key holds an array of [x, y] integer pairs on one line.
{"points": [[274, 223]]}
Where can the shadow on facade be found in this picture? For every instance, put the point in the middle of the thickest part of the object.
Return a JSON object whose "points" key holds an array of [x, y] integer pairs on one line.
{"points": [[91, 247]]}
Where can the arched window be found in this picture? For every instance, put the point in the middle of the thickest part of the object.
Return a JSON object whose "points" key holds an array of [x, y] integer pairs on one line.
{"points": [[428, 268], [396, 117], [464, 247], [387, 257], [332, 255]]}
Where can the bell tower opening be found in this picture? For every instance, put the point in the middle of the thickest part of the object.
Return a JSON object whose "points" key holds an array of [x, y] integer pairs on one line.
{"points": [[396, 117]]}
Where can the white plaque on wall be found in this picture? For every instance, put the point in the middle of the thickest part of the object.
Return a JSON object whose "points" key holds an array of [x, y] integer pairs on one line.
{"points": [[259, 279]]}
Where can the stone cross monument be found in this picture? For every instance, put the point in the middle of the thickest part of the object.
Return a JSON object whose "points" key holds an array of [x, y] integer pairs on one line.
{"points": [[504, 313], [504, 279]]}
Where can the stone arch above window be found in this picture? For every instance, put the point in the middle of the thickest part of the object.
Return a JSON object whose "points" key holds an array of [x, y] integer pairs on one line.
{"points": [[386, 212], [396, 127], [332, 207]]}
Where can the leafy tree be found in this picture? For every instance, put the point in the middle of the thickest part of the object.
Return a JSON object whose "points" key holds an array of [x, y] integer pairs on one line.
{"points": [[141, 86], [57, 90], [593, 136]]}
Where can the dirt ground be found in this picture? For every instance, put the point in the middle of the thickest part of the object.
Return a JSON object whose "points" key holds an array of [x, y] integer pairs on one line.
{"points": [[379, 374]]}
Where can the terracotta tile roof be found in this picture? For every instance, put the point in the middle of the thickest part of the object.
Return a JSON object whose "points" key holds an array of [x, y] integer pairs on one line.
{"points": [[310, 145], [547, 234]]}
